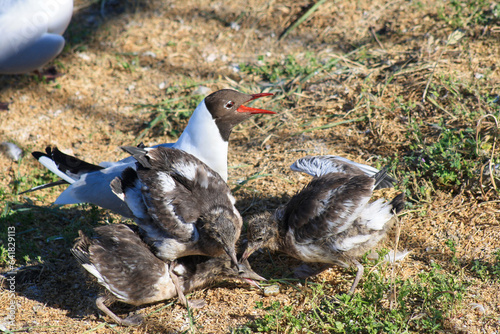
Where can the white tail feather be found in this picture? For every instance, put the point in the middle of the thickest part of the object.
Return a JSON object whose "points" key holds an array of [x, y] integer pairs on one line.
{"points": [[51, 165], [376, 214]]}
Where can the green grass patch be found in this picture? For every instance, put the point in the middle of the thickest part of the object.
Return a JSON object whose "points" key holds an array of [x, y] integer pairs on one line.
{"points": [[449, 161], [170, 116], [281, 71], [447, 147], [421, 304], [485, 270], [463, 14]]}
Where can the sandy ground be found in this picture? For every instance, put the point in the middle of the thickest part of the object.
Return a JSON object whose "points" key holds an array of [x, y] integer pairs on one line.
{"points": [[134, 55]]}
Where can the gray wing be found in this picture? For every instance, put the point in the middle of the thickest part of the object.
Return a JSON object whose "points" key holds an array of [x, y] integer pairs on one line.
{"points": [[321, 165]]}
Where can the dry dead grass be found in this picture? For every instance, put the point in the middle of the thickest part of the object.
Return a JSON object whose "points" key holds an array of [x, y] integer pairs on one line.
{"points": [[387, 51]]}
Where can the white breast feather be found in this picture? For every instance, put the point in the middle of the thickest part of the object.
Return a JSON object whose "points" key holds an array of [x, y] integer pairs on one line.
{"points": [[352, 242], [209, 148], [311, 253]]}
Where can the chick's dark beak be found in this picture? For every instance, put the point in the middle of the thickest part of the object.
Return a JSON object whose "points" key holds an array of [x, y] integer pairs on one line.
{"points": [[248, 251], [232, 254], [247, 272]]}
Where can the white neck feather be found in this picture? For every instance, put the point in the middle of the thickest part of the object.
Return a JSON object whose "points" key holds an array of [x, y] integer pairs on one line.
{"points": [[202, 139]]}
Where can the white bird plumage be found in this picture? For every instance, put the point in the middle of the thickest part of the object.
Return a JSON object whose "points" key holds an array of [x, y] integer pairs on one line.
{"points": [[31, 33]]}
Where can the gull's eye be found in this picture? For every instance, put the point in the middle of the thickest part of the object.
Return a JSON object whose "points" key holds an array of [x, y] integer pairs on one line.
{"points": [[229, 105]]}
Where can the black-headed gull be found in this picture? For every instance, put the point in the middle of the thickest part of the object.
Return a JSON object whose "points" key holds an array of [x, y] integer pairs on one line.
{"points": [[206, 137]]}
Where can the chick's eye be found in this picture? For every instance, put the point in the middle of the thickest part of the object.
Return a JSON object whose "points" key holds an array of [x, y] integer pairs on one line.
{"points": [[229, 105]]}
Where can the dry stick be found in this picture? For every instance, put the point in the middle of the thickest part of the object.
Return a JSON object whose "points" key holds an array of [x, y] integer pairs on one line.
{"points": [[393, 275], [490, 163], [331, 125], [376, 38], [432, 74], [78, 8], [434, 102], [301, 19]]}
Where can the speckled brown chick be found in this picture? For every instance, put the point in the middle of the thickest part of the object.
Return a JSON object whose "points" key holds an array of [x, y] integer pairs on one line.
{"points": [[131, 273], [330, 221], [182, 205]]}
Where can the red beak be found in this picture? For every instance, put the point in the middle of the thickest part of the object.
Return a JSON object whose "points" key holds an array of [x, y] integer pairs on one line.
{"points": [[251, 110]]}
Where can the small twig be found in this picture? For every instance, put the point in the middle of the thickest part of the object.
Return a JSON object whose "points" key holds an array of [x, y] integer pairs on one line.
{"points": [[490, 162], [376, 38], [434, 102], [160, 309], [393, 274], [76, 9], [250, 178]]}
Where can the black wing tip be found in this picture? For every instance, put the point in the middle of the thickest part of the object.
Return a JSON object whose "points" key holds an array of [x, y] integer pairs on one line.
{"points": [[37, 155], [49, 152], [128, 178], [43, 186], [398, 203], [383, 179], [65, 162]]}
